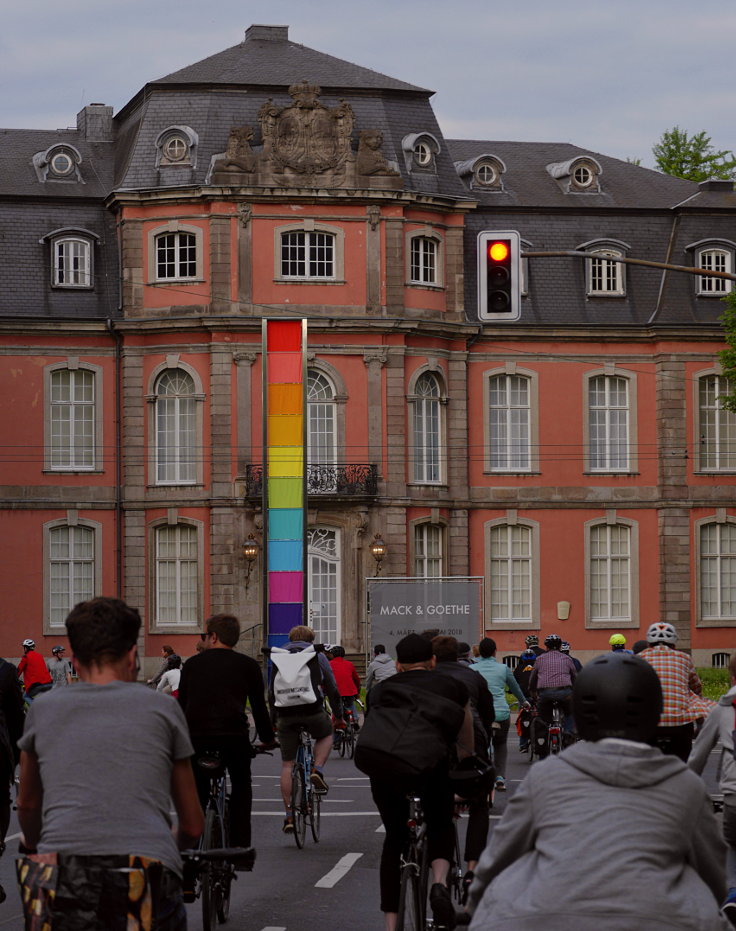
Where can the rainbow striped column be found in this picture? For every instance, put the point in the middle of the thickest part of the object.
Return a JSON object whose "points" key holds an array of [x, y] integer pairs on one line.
{"points": [[284, 478]]}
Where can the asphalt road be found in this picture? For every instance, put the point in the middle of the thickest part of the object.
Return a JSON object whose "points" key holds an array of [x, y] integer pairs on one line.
{"points": [[330, 886]]}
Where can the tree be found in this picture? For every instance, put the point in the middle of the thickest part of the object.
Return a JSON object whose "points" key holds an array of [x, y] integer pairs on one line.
{"points": [[692, 157], [728, 356]]}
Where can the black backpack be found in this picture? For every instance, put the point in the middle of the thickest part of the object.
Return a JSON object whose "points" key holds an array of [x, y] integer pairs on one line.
{"points": [[407, 731]]}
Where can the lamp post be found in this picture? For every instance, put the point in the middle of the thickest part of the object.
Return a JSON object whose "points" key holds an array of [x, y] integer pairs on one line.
{"points": [[250, 554], [378, 551]]}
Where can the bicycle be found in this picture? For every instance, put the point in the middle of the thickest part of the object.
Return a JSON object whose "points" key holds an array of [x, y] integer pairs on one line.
{"points": [[305, 801], [346, 739], [201, 869], [414, 872]]}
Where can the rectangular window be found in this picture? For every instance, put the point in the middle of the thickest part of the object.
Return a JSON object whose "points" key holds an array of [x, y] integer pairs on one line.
{"points": [[72, 263], [608, 416], [307, 255], [717, 426], [511, 573], [428, 551], [605, 276], [72, 416], [610, 572], [718, 571], [71, 570], [177, 572], [423, 260], [176, 256], [510, 423], [715, 260]]}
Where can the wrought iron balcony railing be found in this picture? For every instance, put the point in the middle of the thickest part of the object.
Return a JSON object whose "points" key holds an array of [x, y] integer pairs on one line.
{"points": [[324, 479]]}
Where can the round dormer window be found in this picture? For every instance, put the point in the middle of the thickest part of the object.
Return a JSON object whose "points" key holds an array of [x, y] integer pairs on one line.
{"points": [[62, 164], [423, 154], [583, 176], [486, 174], [175, 148]]}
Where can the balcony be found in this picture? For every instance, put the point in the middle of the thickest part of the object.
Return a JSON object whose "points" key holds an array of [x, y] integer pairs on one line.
{"points": [[325, 479]]}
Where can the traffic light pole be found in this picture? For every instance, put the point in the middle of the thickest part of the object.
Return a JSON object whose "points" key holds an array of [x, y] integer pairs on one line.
{"points": [[573, 253]]}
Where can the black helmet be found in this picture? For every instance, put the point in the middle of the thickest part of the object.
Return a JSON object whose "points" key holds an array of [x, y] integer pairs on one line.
{"points": [[617, 695], [553, 641]]}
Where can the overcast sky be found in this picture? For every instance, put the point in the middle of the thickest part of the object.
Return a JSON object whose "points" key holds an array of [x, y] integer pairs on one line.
{"points": [[607, 76]]}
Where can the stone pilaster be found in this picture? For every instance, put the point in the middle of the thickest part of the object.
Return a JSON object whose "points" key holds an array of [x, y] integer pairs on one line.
{"points": [[220, 266], [456, 426], [458, 542], [396, 424], [220, 432], [374, 362]]}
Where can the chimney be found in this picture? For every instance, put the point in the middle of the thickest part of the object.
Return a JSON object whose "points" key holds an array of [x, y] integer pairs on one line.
{"points": [[267, 33], [95, 122]]}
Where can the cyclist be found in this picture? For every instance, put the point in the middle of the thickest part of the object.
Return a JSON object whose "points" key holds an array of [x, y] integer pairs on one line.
{"points": [[552, 678], [380, 667], [522, 673], [565, 648], [617, 643], [499, 677], [678, 677], [101, 764], [167, 651], [312, 717], [445, 721], [36, 677], [11, 727], [214, 687], [60, 669], [531, 642], [649, 825], [347, 680]]}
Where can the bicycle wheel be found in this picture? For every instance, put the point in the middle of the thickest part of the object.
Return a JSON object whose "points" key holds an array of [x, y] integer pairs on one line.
{"points": [[298, 804], [411, 912], [342, 742], [225, 872], [349, 739], [455, 876], [315, 804], [211, 839]]}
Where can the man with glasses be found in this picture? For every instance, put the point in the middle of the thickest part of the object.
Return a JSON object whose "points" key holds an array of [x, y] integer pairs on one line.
{"points": [[214, 688]]}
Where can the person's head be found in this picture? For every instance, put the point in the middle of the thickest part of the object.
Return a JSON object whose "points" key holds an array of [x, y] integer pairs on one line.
{"points": [[167, 650], [338, 652], [528, 656], [553, 642], [617, 642], [532, 640], [445, 649], [302, 634], [463, 650], [221, 630], [57, 652], [639, 645], [414, 652], [378, 649], [29, 645], [617, 695], [104, 632], [487, 647], [173, 662], [199, 646], [565, 647], [662, 632]]}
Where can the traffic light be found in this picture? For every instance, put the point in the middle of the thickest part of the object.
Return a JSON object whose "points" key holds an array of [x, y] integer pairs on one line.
{"points": [[499, 268]]}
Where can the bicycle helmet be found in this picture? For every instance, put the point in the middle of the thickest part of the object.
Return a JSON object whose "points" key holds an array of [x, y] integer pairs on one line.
{"points": [[662, 632], [617, 695], [617, 640], [564, 647], [532, 640], [29, 644], [338, 651], [57, 650], [553, 642]]}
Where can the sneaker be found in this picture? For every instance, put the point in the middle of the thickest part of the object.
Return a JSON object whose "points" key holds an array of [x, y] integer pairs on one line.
{"points": [[729, 909], [500, 784], [443, 910], [318, 781], [288, 827]]}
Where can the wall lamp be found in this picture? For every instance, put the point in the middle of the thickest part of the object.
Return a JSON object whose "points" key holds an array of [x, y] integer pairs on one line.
{"points": [[251, 550], [378, 551]]}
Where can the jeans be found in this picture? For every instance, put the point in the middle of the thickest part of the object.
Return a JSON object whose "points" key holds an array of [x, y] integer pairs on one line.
{"points": [[547, 698]]}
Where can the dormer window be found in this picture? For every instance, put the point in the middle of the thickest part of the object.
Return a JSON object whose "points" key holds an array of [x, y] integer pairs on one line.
{"points": [[62, 164], [483, 172], [176, 145], [716, 256], [58, 163], [72, 257], [583, 176], [577, 175], [420, 151], [486, 175], [605, 276]]}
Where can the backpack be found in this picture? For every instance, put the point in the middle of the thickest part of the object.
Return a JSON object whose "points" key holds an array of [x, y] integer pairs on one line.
{"points": [[407, 731], [295, 677]]}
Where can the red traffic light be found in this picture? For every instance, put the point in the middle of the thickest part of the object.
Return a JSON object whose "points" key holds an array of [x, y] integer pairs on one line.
{"points": [[498, 251]]}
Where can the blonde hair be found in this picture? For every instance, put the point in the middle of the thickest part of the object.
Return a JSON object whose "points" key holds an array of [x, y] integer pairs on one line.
{"points": [[300, 632]]}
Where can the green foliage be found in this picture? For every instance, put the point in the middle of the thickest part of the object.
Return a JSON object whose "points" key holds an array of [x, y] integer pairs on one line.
{"points": [[716, 682], [728, 356], [692, 157]]}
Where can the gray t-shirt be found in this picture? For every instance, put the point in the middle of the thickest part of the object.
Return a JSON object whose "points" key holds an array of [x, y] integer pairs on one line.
{"points": [[106, 754], [58, 669]]}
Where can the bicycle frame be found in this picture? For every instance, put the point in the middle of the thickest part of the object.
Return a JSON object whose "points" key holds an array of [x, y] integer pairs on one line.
{"points": [[216, 875], [305, 802], [414, 872]]}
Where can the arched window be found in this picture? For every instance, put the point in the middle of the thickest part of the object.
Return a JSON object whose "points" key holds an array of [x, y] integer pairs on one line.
{"points": [[321, 412], [176, 428], [605, 277], [323, 548], [176, 575], [717, 571], [72, 266], [427, 429], [716, 260], [176, 256]]}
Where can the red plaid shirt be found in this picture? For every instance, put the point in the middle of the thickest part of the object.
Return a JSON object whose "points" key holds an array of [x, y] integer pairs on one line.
{"points": [[677, 677]]}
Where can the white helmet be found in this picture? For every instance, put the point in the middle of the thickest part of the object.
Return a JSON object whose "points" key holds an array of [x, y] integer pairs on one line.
{"points": [[29, 644], [661, 632]]}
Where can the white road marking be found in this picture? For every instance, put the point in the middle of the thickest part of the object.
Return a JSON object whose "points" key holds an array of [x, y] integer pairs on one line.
{"points": [[343, 865], [12, 837], [271, 928], [381, 829]]}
